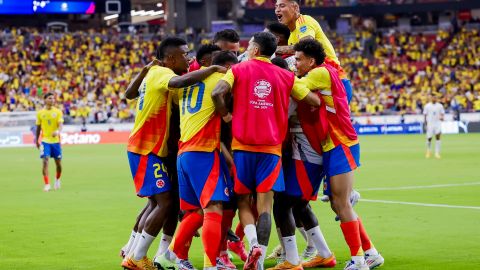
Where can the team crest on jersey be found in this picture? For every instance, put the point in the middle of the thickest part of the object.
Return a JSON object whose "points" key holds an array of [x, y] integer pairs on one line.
{"points": [[262, 88], [160, 183], [227, 192], [54, 115]]}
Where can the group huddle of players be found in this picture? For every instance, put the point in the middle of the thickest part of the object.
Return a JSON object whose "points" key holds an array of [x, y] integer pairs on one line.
{"points": [[254, 132]]}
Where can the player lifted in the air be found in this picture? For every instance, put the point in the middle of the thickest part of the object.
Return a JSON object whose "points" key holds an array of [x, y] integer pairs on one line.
{"points": [[434, 113]]}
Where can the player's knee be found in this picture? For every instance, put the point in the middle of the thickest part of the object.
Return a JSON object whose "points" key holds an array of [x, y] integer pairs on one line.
{"points": [[214, 206]]}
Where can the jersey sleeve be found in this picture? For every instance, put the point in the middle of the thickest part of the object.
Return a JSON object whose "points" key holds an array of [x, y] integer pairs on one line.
{"points": [[305, 28], [160, 78], [38, 122], [300, 90], [317, 79], [60, 116], [229, 77]]}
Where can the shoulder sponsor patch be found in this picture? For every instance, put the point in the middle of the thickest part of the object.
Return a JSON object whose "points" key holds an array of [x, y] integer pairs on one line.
{"points": [[303, 29]]}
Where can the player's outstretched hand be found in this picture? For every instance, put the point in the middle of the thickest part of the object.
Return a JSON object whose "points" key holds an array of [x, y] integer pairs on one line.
{"points": [[155, 62], [220, 69]]}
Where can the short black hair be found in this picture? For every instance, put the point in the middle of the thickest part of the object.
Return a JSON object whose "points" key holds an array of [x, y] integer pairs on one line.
{"points": [[311, 48], [47, 95], [228, 35], [280, 62], [267, 43], [279, 28], [223, 57], [169, 43], [206, 49]]}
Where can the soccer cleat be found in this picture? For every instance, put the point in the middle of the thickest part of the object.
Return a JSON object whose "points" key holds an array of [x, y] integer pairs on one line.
{"points": [[56, 185], [308, 253], [47, 188], [286, 266], [374, 261], [351, 265], [142, 264], [123, 253], [276, 253], [162, 263], [224, 260], [428, 154], [252, 259], [184, 265], [238, 248], [318, 261], [437, 156]]}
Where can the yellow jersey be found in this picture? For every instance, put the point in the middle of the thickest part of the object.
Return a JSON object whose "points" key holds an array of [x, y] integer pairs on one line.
{"points": [[307, 26], [199, 123], [151, 129], [318, 79], [49, 121]]}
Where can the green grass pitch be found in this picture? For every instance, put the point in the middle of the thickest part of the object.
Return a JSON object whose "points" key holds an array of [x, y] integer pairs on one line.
{"points": [[84, 225]]}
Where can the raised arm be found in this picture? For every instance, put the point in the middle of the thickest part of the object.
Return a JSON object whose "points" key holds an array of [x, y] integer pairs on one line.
{"points": [[194, 77], [132, 89]]}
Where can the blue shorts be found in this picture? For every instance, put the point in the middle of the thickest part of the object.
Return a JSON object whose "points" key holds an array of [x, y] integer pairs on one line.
{"points": [[50, 150], [201, 179], [348, 89], [257, 172], [149, 174], [341, 159], [303, 179]]}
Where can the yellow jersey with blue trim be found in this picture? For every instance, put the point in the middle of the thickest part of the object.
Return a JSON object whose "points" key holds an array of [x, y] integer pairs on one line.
{"points": [[308, 26], [49, 121], [151, 129], [199, 123]]}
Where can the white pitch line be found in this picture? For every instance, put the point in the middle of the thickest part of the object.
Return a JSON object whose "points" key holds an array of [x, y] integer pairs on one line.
{"points": [[420, 187], [423, 204]]}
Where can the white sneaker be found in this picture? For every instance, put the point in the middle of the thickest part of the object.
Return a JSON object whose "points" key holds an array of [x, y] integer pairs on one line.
{"points": [[374, 261], [351, 265], [185, 265], [57, 184], [47, 188], [308, 253]]}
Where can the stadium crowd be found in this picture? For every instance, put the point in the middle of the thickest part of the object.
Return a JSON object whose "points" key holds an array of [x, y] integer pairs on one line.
{"points": [[390, 73]]}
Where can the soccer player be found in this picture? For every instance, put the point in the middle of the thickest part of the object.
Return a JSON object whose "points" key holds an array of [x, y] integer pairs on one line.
{"points": [[434, 113], [305, 27], [147, 145], [202, 179], [49, 124], [340, 146], [261, 93], [227, 40], [303, 175]]}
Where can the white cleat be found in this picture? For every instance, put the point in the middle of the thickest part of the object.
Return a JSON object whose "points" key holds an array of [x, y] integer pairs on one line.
{"points": [[47, 188], [276, 253], [351, 265], [374, 261], [57, 184]]}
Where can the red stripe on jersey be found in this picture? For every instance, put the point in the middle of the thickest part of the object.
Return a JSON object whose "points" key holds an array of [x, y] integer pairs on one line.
{"points": [[206, 140]]}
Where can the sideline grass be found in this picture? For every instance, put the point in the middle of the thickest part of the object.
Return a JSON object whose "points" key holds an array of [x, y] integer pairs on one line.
{"points": [[84, 225]]}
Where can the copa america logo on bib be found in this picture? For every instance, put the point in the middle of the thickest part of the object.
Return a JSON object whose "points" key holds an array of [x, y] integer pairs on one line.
{"points": [[262, 88]]}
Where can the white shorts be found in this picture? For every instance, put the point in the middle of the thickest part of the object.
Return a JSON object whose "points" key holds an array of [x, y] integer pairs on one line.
{"points": [[434, 130]]}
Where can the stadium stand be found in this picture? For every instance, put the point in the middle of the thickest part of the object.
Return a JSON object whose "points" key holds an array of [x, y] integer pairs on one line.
{"points": [[391, 73]]}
